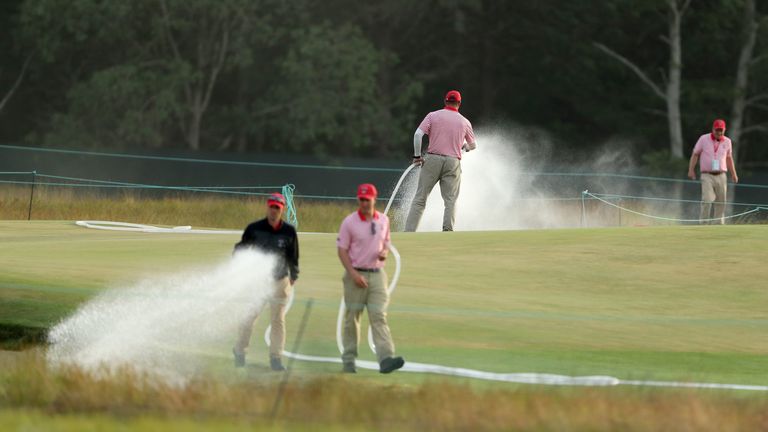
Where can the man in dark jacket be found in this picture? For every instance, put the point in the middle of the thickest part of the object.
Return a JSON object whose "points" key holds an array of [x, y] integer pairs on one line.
{"points": [[272, 235]]}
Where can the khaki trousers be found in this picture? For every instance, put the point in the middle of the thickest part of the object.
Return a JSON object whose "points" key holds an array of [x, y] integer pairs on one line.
{"points": [[447, 170], [277, 304], [376, 299], [713, 190]]}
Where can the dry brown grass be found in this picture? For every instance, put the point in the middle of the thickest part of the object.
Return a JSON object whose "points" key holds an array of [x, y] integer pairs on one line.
{"points": [[163, 208], [26, 382]]}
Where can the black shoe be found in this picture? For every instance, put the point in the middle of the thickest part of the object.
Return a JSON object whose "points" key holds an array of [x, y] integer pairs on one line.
{"points": [[391, 364], [349, 368], [239, 358], [276, 364]]}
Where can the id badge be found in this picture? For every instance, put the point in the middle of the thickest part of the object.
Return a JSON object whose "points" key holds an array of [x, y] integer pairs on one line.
{"points": [[715, 165]]}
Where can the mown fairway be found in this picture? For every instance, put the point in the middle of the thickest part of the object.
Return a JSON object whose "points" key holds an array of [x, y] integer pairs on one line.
{"points": [[683, 303], [662, 303]]}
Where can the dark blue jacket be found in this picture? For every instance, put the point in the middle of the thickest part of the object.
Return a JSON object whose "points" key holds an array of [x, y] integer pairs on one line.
{"points": [[282, 241]]}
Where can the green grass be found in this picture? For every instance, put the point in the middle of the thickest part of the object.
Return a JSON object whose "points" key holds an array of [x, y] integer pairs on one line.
{"points": [[681, 303], [657, 303]]}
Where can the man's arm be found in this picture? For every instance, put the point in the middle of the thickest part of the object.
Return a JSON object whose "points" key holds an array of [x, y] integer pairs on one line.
{"points": [[692, 166], [293, 261], [469, 137], [347, 263], [417, 136], [385, 244], [244, 239], [732, 168]]}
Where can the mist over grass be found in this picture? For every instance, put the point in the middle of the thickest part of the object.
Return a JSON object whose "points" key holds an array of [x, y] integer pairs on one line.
{"points": [[517, 179]]}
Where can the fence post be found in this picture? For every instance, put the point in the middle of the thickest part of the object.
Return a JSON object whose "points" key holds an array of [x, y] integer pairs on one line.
{"points": [[32, 194], [583, 208]]}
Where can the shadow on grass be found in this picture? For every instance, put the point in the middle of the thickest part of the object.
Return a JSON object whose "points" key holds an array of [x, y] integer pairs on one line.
{"points": [[18, 337]]}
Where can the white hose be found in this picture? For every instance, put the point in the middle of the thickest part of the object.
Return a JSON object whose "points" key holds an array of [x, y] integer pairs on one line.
{"points": [[125, 226], [522, 378], [397, 187]]}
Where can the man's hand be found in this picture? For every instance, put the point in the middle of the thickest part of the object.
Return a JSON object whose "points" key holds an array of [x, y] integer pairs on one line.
{"points": [[418, 161], [691, 175], [359, 280], [383, 254], [293, 281], [734, 177]]}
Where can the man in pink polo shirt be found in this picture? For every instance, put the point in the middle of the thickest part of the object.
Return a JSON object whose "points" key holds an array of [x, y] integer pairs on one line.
{"points": [[449, 133], [363, 244], [715, 152]]}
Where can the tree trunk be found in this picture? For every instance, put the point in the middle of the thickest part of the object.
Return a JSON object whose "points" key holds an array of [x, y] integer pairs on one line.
{"points": [[750, 26], [673, 86], [670, 94], [193, 134]]}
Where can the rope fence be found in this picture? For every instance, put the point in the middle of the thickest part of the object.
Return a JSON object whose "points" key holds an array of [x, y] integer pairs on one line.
{"points": [[78, 182], [605, 199], [342, 168], [37, 179]]}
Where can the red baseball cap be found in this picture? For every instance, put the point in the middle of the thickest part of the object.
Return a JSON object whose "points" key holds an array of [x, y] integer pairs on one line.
{"points": [[276, 199], [453, 96], [367, 190], [719, 124]]}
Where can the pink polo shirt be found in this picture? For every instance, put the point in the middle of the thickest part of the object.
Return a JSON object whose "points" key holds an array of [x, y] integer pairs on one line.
{"points": [[710, 149], [362, 242], [447, 130]]}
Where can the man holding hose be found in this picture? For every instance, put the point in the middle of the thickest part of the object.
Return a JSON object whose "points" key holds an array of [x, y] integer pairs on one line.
{"points": [[449, 133], [271, 235]]}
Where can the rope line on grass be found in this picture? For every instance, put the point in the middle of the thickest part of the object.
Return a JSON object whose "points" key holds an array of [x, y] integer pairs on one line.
{"points": [[589, 194], [520, 378], [16, 172], [616, 196]]}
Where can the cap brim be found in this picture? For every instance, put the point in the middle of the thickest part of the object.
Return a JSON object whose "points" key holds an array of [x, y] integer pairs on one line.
{"points": [[367, 196], [277, 203]]}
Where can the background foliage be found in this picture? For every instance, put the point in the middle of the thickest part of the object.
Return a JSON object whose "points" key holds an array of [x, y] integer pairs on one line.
{"points": [[354, 78]]}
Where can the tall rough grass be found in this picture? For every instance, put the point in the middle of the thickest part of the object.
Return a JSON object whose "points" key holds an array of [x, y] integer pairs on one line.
{"points": [[198, 209], [27, 383]]}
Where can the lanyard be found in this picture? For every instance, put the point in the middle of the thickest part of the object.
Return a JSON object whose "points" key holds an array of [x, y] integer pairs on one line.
{"points": [[715, 145]]}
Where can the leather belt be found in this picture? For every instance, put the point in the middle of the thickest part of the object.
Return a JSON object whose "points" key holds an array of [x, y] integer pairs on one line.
{"points": [[714, 173], [367, 270]]}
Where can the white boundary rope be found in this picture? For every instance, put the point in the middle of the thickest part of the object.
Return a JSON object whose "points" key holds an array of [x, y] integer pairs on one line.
{"points": [[125, 226], [521, 378], [587, 193]]}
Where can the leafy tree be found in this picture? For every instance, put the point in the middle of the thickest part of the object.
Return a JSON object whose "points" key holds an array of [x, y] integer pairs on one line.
{"points": [[329, 90]]}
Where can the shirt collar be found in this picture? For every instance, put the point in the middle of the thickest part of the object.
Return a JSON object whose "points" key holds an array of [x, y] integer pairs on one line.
{"points": [[362, 216], [712, 135], [450, 108], [279, 225]]}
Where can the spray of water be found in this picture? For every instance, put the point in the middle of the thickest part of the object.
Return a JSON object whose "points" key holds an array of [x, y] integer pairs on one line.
{"points": [[501, 190], [166, 326]]}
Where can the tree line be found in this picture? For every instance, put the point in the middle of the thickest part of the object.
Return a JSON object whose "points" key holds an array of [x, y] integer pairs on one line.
{"points": [[354, 77]]}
